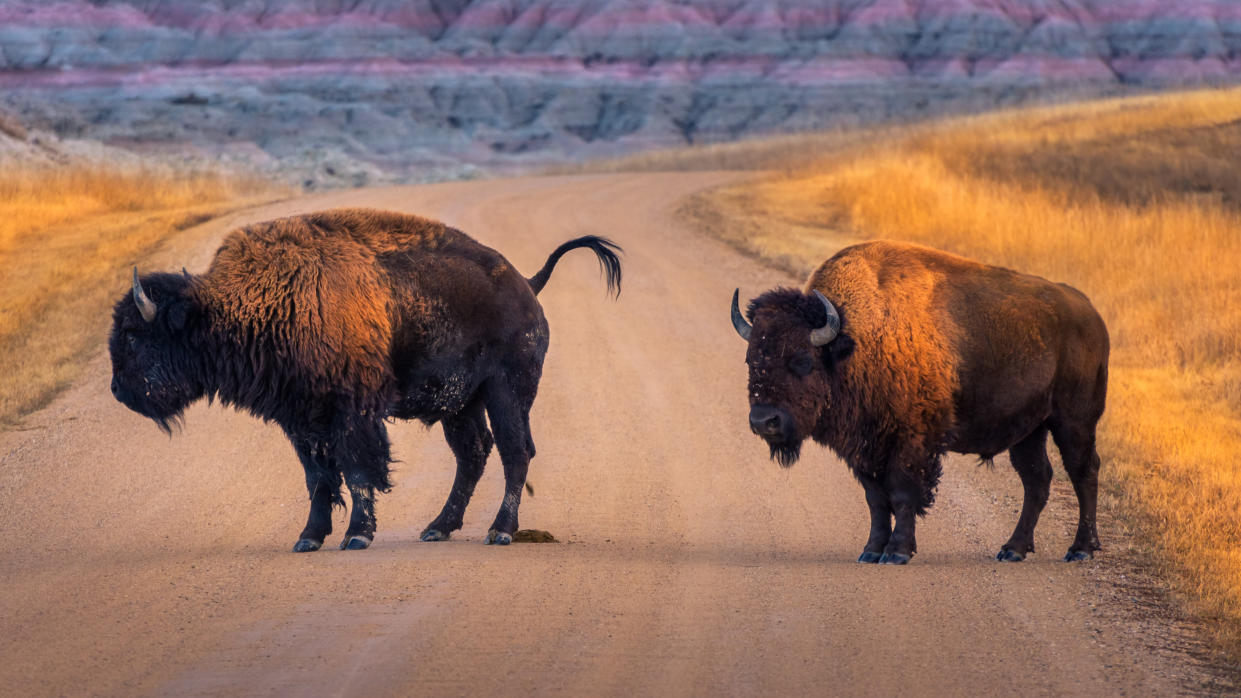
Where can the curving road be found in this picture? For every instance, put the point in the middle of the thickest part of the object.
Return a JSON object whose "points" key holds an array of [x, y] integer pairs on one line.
{"points": [[132, 563]]}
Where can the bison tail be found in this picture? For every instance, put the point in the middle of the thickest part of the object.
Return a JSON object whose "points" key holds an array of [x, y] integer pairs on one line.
{"points": [[604, 249]]}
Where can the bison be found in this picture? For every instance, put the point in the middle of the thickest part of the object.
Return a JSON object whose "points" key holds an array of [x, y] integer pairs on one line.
{"points": [[331, 323], [895, 354]]}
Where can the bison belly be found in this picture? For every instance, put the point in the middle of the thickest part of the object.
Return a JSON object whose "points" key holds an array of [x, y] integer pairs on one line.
{"points": [[431, 393], [1002, 398]]}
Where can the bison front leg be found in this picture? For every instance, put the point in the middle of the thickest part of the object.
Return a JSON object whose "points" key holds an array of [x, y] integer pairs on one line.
{"points": [[903, 543], [880, 520], [323, 484], [362, 451], [361, 532], [910, 482], [319, 522], [909, 494], [470, 439], [509, 422]]}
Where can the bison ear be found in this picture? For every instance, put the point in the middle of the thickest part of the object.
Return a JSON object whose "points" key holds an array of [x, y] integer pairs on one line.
{"points": [[838, 350]]}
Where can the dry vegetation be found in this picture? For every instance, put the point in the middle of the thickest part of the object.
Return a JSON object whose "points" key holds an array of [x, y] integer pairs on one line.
{"points": [[68, 235], [1135, 201]]}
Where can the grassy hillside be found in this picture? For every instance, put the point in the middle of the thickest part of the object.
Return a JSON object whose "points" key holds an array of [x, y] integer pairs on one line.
{"points": [[1137, 202], [68, 236]]}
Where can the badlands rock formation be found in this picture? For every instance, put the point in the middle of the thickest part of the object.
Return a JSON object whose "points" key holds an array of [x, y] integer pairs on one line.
{"points": [[337, 92]]}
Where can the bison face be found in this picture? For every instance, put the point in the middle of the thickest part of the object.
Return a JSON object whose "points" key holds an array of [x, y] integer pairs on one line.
{"points": [[152, 359], [795, 341]]}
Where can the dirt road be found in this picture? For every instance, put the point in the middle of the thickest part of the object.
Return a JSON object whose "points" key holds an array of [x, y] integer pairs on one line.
{"points": [[132, 563]]}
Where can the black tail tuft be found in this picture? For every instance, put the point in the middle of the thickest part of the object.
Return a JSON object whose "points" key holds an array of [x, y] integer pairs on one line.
{"points": [[603, 248]]}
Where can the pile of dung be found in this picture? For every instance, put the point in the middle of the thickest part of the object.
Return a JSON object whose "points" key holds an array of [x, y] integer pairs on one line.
{"points": [[533, 535]]}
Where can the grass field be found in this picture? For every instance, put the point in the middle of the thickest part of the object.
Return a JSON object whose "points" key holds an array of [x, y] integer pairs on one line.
{"points": [[1136, 202], [68, 236]]}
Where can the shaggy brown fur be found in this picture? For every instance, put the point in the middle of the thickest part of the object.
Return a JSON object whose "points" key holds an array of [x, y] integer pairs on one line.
{"points": [[312, 286], [332, 322], [903, 373], [936, 353]]}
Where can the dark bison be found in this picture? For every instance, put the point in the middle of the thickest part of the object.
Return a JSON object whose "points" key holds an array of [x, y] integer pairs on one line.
{"points": [[895, 354], [329, 324]]}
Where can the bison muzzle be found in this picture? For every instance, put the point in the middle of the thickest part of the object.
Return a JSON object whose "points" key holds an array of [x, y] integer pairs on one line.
{"points": [[331, 323], [896, 354]]}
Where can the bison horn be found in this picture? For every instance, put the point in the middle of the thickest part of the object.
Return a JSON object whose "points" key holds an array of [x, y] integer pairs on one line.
{"points": [[822, 335], [145, 305], [743, 328]]}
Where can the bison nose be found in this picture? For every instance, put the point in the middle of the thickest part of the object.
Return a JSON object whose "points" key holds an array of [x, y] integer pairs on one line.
{"points": [[766, 420], [115, 386]]}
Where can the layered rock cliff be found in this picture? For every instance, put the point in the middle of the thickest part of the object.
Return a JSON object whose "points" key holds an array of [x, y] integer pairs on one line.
{"points": [[337, 92]]}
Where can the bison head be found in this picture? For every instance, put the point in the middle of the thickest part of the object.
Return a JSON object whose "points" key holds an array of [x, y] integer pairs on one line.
{"points": [[152, 355], [795, 344]]}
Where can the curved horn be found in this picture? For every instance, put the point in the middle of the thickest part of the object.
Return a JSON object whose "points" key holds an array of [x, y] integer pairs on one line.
{"points": [[743, 328], [822, 335], [145, 305]]}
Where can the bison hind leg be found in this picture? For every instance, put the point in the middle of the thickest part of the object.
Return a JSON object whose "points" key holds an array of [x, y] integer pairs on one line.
{"points": [[1081, 460], [509, 411], [470, 440], [1029, 457]]}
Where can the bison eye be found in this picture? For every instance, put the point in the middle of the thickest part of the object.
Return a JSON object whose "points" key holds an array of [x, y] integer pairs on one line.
{"points": [[801, 364]]}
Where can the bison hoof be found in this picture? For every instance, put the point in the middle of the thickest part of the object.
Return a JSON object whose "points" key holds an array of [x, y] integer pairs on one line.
{"points": [[894, 559], [869, 558], [355, 543], [1007, 555], [495, 537], [306, 545], [431, 535], [1078, 555]]}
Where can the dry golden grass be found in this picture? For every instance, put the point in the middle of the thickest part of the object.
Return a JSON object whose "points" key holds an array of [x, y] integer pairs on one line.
{"points": [[67, 236], [1136, 202]]}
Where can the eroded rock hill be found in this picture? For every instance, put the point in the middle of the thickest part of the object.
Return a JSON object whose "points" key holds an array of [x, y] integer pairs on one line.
{"points": [[334, 92]]}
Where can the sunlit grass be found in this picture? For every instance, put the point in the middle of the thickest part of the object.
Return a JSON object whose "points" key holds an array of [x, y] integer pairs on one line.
{"points": [[67, 235], [1137, 202]]}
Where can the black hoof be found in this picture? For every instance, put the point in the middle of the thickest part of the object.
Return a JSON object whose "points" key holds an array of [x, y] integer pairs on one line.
{"points": [[1007, 555], [431, 535], [894, 559], [355, 543], [1078, 555], [307, 545], [869, 558], [495, 537]]}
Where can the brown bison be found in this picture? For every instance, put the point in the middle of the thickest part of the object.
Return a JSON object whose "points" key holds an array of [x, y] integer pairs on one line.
{"points": [[896, 353], [329, 324]]}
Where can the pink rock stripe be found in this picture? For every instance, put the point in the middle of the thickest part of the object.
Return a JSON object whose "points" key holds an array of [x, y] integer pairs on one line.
{"points": [[818, 71], [704, 17]]}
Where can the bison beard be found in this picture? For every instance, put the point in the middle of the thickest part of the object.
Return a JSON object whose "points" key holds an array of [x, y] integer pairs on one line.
{"points": [[331, 323], [785, 454], [917, 353]]}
